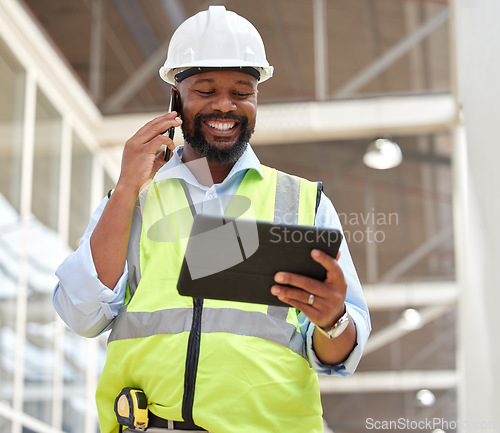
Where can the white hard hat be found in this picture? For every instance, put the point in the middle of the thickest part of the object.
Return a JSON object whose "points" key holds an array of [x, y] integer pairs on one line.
{"points": [[216, 38]]}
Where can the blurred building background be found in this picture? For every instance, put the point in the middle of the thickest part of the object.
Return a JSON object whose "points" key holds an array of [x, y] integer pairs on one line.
{"points": [[79, 77]]}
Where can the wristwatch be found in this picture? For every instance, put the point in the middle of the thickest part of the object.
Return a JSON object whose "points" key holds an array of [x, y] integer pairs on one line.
{"points": [[338, 327]]}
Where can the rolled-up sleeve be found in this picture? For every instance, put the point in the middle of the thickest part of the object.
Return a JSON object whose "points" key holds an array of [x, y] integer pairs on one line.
{"points": [[81, 300], [349, 366]]}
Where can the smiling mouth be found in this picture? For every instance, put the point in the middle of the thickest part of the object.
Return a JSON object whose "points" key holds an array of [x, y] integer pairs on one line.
{"points": [[221, 126]]}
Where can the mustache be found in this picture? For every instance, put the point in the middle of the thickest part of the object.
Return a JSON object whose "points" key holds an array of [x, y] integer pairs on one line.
{"points": [[220, 116]]}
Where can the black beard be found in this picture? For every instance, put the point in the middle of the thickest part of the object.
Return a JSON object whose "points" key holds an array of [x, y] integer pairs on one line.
{"points": [[204, 148]]}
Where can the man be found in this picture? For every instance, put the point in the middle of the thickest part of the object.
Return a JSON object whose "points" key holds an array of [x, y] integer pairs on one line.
{"points": [[205, 364]]}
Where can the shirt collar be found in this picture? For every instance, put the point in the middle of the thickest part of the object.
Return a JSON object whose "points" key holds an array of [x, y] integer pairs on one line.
{"points": [[176, 169]]}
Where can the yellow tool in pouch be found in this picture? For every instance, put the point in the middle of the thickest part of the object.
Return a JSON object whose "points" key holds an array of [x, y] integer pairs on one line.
{"points": [[131, 409]]}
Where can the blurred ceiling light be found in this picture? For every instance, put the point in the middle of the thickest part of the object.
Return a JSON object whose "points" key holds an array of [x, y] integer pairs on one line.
{"points": [[383, 154], [411, 319], [426, 398]]}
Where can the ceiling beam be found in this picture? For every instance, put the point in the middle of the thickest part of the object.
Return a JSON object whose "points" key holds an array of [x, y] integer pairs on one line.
{"points": [[391, 296], [96, 49], [147, 71], [418, 254], [320, 50], [393, 54], [389, 381], [285, 50], [175, 14]]}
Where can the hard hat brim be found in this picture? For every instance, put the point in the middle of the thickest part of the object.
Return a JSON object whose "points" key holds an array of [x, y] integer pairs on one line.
{"points": [[183, 74], [169, 74]]}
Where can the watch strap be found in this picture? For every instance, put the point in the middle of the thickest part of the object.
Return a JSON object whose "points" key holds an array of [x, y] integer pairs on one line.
{"points": [[340, 326]]}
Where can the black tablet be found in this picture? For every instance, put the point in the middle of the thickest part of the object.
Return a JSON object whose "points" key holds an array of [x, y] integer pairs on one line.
{"points": [[236, 259]]}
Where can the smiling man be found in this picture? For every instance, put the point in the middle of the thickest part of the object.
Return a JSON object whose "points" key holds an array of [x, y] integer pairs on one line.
{"points": [[203, 364]]}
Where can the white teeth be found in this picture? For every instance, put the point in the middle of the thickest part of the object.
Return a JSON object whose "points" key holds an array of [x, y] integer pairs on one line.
{"points": [[221, 126]]}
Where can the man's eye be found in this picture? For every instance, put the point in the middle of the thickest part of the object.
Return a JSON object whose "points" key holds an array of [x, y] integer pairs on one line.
{"points": [[201, 92]]}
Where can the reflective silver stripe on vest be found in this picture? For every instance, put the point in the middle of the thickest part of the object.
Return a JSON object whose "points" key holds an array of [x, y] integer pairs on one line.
{"points": [[277, 312], [286, 206], [174, 321]]}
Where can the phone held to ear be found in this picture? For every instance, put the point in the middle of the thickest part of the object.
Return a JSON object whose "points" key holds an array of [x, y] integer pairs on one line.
{"points": [[174, 101]]}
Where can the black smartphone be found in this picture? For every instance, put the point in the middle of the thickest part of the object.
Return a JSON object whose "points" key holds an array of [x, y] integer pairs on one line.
{"points": [[174, 102]]}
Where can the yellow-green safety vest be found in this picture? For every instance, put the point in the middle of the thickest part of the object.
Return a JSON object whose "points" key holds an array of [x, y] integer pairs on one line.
{"points": [[229, 367]]}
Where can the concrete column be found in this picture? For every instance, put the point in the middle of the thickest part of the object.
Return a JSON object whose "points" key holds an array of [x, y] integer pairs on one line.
{"points": [[476, 35]]}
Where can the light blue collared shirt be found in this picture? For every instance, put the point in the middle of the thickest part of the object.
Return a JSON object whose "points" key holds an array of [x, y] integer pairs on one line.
{"points": [[89, 308]]}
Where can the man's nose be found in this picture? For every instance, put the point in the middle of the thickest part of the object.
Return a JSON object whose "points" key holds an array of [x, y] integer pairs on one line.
{"points": [[224, 103]]}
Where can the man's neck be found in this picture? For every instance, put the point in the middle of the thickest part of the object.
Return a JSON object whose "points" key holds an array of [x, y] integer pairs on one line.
{"points": [[216, 172]]}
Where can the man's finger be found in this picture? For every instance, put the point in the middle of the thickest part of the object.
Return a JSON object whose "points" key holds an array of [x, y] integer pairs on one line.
{"points": [[329, 263], [325, 260], [292, 294], [308, 284], [157, 126]]}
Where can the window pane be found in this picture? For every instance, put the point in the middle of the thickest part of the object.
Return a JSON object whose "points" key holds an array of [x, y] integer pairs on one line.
{"points": [[81, 171], [47, 162]]}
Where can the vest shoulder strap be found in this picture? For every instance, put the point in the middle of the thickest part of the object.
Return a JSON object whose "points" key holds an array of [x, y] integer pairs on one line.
{"points": [[134, 245], [297, 199]]}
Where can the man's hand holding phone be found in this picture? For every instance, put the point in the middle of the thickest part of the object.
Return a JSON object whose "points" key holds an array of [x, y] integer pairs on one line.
{"points": [[141, 157]]}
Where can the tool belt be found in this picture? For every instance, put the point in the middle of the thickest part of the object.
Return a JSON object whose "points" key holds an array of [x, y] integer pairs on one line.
{"points": [[131, 409]]}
